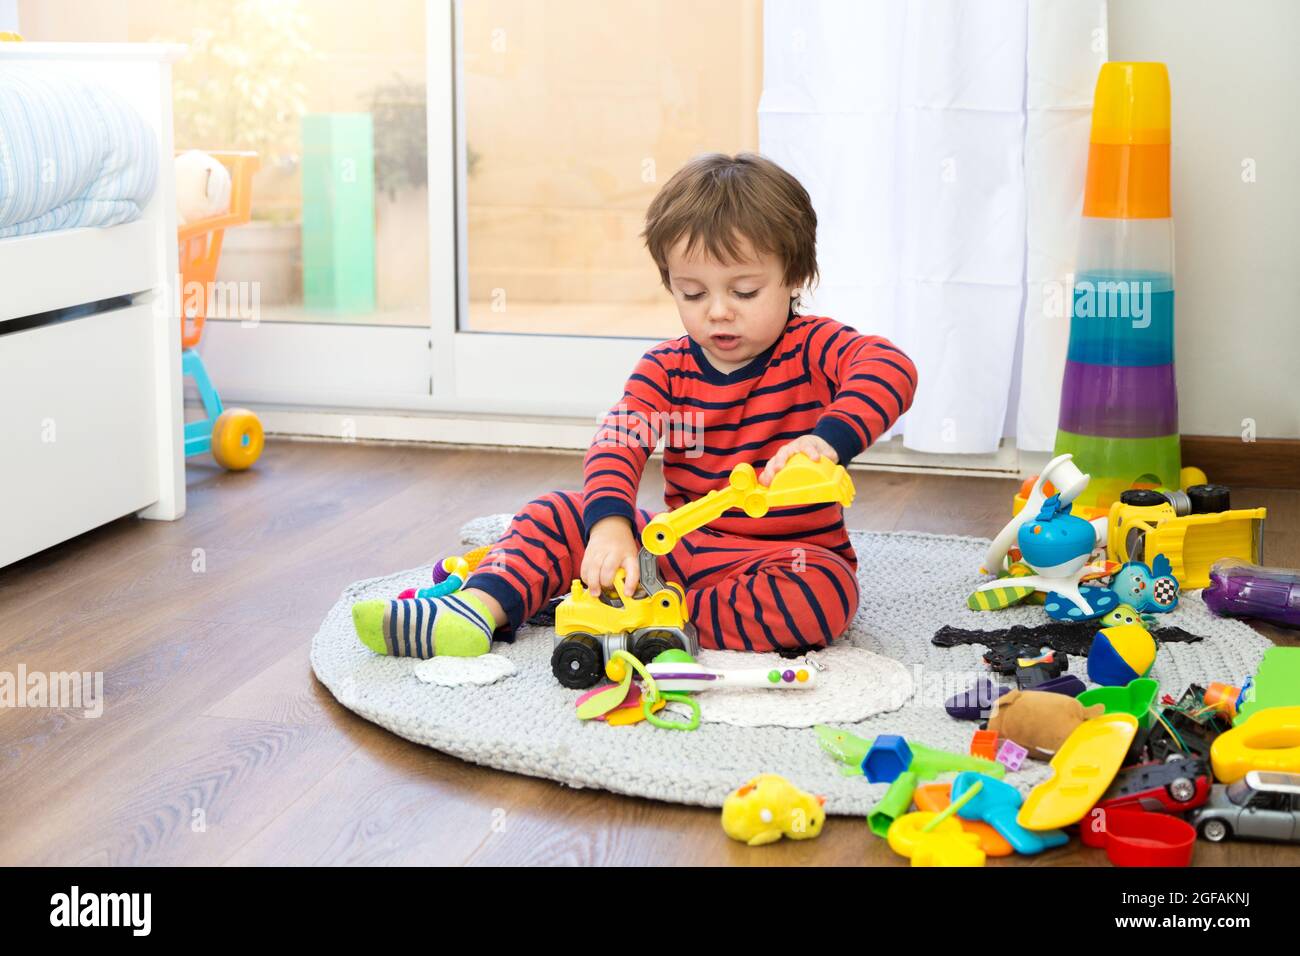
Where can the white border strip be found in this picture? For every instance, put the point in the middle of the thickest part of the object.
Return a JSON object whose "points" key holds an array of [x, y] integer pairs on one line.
{"points": [[568, 434]]}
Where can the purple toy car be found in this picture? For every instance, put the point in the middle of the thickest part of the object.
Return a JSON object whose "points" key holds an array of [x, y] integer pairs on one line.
{"points": [[1238, 589]]}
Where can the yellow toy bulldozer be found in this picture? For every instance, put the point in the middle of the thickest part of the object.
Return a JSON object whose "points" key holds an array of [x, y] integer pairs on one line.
{"points": [[1144, 524], [589, 629]]}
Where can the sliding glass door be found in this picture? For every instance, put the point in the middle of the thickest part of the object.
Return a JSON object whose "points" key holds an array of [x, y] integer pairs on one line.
{"points": [[570, 115], [452, 192], [332, 275]]}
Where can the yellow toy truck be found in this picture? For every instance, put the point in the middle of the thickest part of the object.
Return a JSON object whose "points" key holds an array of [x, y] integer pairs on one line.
{"points": [[589, 629], [1144, 524]]}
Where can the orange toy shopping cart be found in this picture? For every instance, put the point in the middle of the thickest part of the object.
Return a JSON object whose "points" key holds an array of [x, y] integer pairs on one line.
{"points": [[233, 435]]}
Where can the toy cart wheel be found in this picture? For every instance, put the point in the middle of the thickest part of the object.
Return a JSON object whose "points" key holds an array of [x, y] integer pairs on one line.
{"points": [[650, 644], [237, 439], [577, 662], [1182, 789], [1216, 831]]}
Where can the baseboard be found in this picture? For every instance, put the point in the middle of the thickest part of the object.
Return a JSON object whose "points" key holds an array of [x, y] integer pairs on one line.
{"points": [[568, 435], [1227, 460], [1266, 463]]}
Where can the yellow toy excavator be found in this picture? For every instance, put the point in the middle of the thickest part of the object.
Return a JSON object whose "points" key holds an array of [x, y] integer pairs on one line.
{"points": [[589, 629]]}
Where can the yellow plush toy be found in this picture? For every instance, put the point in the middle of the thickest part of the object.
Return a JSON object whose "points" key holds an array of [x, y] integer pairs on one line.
{"points": [[769, 807]]}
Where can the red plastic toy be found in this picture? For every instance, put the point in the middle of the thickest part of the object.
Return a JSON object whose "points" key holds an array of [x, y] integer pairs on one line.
{"points": [[984, 744], [1135, 838], [1174, 786]]}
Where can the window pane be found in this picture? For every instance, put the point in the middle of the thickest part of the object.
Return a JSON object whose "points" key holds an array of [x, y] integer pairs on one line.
{"points": [[576, 111], [332, 98]]}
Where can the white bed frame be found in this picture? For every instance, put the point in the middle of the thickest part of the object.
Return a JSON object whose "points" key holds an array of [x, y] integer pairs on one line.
{"points": [[90, 408]]}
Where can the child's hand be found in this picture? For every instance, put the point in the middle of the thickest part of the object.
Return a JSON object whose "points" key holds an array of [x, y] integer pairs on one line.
{"points": [[810, 445], [610, 546]]}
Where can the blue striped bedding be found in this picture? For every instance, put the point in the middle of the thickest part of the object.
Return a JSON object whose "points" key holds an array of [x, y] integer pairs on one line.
{"points": [[72, 153]]}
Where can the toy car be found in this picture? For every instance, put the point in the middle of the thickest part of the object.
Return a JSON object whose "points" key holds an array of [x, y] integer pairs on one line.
{"points": [[1002, 658], [1259, 806], [1030, 665], [1146, 526], [589, 629], [1178, 784], [1032, 673]]}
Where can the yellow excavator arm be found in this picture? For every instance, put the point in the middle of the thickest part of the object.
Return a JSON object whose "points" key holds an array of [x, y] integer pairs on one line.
{"points": [[801, 482]]}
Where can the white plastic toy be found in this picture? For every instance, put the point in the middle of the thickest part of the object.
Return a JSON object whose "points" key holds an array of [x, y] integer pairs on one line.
{"points": [[1057, 547], [202, 187], [671, 675]]}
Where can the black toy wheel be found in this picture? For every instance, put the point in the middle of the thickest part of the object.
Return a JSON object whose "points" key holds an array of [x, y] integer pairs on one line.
{"points": [[578, 661], [1142, 498], [1216, 831], [651, 645]]}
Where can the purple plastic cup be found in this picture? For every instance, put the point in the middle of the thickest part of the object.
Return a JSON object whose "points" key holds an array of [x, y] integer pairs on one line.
{"points": [[1119, 401]]}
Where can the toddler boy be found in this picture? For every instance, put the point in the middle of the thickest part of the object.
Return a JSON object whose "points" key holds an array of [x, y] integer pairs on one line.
{"points": [[751, 381]]}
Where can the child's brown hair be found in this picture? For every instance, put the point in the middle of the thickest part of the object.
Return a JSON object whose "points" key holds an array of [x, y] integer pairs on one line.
{"points": [[714, 199]]}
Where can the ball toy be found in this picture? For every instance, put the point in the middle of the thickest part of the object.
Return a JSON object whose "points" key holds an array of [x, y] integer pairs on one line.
{"points": [[202, 186], [1121, 654]]}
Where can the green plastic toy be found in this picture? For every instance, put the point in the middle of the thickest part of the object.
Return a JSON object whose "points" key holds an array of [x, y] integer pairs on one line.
{"points": [[1137, 697], [1275, 684], [620, 668], [891, 755], [924, 762], [896, 802], [844, 747]]}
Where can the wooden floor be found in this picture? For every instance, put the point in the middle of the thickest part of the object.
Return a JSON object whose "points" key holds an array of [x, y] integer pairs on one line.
{"points": [[218, 746]]}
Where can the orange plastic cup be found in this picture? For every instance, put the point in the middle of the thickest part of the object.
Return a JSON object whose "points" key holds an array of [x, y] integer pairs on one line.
{"points": [[1128, 152]]}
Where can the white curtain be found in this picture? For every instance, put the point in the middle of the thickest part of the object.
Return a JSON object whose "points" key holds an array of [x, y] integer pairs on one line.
{"points": [[944, 143]]}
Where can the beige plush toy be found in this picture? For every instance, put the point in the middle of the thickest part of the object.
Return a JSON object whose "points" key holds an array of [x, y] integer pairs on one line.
{"points": [[1039, 721]]}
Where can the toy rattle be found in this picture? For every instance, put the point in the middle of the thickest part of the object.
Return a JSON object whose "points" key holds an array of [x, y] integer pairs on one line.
{"points": [[686, 675]]}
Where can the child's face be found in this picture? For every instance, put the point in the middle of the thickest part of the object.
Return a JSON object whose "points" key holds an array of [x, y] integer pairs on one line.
{"points": [[736, 310]]}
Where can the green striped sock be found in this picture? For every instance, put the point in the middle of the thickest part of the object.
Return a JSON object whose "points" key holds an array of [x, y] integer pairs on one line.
{"points": [[455, 625]]}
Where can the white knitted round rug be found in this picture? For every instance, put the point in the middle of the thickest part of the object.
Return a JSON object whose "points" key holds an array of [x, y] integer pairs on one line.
{"points": [[912, 584]]}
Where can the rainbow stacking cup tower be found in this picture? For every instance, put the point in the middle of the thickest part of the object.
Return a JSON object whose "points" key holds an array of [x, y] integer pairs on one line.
{"points": [[1119, 400]]}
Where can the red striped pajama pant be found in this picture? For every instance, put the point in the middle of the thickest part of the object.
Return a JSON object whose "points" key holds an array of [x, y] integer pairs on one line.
{"points": [[741, 593]]}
